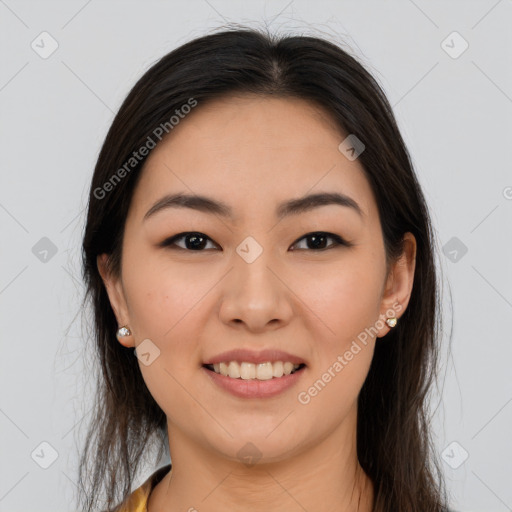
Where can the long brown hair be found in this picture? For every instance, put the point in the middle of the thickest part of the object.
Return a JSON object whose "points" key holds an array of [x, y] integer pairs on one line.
{"points": [[394, 443]]}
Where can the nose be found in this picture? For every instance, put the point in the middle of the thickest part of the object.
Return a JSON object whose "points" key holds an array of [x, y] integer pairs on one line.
{"points": [[256, 296]]}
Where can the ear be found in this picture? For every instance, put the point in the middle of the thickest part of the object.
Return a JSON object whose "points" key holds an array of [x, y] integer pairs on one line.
{"points": [[116, 296], [398, 287]]}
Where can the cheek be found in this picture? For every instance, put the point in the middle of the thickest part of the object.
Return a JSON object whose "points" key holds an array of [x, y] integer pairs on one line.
{"points": [[161, 295], [345, 298], [163, 307], [345, 301]]}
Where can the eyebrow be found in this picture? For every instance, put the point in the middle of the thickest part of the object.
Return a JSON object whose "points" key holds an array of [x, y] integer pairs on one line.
{"points": [[285, 209]]}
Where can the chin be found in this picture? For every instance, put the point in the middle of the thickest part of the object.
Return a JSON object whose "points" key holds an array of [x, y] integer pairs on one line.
{"points": [[257, 448]]}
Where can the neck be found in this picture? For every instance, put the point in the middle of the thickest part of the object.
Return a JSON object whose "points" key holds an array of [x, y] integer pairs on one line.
{"points": [[324, 478]]}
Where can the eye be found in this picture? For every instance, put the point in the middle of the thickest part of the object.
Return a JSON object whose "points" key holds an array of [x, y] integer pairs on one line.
{"points": [[194, 241], [318, 240]]}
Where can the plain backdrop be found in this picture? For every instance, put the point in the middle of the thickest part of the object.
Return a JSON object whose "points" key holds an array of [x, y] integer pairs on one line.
{"points": [[66, 67]]}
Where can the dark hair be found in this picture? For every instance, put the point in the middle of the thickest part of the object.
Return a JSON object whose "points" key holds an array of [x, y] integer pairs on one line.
{"points": [[394, 443]]}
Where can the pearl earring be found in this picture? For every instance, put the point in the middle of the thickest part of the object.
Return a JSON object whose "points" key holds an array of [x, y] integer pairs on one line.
{"points": [[123, 332], [391, 321]]}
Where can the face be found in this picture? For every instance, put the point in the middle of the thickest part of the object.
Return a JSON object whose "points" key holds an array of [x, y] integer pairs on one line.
{"points": [[310, 281]]}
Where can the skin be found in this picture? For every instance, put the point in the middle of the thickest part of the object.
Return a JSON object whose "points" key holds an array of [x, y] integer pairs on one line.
{"points": [[253, 153]]}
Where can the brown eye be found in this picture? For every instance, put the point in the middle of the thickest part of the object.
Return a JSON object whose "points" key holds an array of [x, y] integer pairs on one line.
{"points": [[193, 241], [318, 241]]}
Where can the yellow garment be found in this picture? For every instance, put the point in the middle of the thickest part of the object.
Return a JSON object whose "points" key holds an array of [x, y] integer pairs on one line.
{"points": [[138, 499]]}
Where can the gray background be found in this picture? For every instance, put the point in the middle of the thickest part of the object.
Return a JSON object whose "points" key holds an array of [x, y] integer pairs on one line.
{"points": [[455, 115]]}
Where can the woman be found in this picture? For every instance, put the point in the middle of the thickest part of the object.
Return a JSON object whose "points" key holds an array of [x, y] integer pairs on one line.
{"points": [[257, 238]]}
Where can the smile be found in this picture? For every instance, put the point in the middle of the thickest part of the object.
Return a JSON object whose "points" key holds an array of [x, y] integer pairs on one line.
{"points": [[258, 371]]}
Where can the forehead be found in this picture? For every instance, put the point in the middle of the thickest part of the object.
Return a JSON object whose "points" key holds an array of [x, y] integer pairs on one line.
{"points": [[249, 151]]}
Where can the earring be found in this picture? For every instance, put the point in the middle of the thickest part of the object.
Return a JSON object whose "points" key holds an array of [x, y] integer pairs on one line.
{"points": [[391, 321], [123, 332]]}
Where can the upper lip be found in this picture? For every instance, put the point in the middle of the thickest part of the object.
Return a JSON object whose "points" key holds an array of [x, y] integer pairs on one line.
{"points": [[250, 356]]}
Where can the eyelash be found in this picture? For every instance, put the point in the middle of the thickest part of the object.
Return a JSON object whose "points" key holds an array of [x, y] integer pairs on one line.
{"points": [[170, 242]]}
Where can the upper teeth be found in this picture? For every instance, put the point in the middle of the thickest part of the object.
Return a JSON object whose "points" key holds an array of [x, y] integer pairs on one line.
{"points": [[260, 371]]}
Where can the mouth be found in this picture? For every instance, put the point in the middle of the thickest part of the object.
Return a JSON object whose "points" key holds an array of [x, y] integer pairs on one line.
{"points": [[269, 370], [260, 380]]}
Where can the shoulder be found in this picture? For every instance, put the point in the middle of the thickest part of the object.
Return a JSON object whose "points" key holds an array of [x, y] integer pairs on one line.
{"points": [[137, 500]]}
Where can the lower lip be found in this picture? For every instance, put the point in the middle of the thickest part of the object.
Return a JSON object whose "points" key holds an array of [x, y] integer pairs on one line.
{"points": [[254, 388]]}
